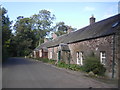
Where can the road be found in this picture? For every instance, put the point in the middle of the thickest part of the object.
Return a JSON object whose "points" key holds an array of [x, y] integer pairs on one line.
{"points": [[28, 73]]}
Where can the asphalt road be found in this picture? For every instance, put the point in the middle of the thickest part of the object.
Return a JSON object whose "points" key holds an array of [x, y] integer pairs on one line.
{"points": [[26, 73]]}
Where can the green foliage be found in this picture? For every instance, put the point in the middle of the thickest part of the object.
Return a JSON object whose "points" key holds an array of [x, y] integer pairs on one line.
{"points": [[28, 32], [60, 28], [6, 33], [93, 64], [62, 64], [52, 61], [24, 39], [42, 24], [45, 60], [74, 67]]}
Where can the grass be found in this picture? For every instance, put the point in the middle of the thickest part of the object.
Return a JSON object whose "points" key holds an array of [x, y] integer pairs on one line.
{"points": [[75, 67], [60, 64], [45, 60]]}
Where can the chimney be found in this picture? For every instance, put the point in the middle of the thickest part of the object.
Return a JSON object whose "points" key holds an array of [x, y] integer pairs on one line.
{"points": [[45, 40], [92, 20], [54, 35], [69, 30]]}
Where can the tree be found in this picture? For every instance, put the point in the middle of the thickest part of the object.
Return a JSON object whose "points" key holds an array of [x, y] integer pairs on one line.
{"points": [[30, 31], [6, 32], [60, 28], [42, 24], [24, 39]]}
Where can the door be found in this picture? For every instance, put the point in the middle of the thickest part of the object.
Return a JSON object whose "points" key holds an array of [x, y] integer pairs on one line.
{"points": [[59, 55], [78, 60]]}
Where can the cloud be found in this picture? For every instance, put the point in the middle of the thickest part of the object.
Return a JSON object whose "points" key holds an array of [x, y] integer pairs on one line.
{"points": [[88, 8]]}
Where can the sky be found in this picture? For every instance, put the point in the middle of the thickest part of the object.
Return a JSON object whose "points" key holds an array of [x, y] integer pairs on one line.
{"points": [[75, 14]]}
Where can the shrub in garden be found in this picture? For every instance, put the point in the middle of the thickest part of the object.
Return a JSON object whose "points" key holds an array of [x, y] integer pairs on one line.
{"points": [[93, 64], [52, 61], [40, 59], [45, 60], [68, 66], [62, 64], [74, 67]]}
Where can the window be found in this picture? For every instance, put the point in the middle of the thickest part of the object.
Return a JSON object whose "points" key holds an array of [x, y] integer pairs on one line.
{"points": [[50, 54], [40, 53], [34, 54], [59, 55], [103, 57], [80, 58]]}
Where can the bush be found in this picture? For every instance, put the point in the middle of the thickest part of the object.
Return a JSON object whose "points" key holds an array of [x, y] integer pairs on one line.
{"points": [[69, 66], [74, 67], [93, 64], [52, 61], [42, 59], [45, 60], [62, 64]]}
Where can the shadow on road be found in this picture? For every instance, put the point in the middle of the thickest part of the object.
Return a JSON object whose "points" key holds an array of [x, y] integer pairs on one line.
{"points": [[16, 61]]}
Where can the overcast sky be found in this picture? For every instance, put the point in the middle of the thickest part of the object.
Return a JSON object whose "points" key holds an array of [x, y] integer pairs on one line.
{"points": [[75, 14]]}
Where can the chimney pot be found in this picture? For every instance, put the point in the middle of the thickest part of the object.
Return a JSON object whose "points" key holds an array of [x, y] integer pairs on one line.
{"points": [[92, 20], [45, 40], [69, 30], [54, 35]]}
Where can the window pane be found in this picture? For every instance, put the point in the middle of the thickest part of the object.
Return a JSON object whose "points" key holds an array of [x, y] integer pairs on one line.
{"points": [[103, 57]]}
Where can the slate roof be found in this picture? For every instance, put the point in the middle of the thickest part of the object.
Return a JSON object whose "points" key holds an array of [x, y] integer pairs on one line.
{"points": [[98, 29]]}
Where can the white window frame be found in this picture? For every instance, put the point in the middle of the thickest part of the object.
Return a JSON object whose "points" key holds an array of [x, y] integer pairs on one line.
{"points": [[34, 54], [50, 54], [103, 57], [57, 56], [40, 53], [80, 58]]}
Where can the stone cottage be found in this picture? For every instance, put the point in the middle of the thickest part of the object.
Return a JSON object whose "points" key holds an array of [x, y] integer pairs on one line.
{"points": [[98, 37]]}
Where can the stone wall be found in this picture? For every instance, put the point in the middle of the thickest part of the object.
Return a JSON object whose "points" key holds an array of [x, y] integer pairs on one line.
{"points": [[50, 50], [52, 53], [87, 47], [117, 54], [54, 50], [96, 46]]}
